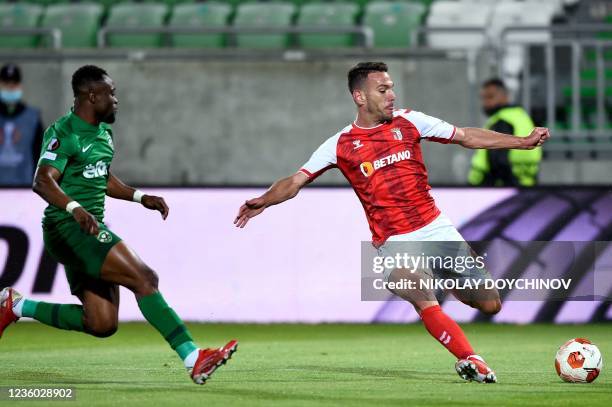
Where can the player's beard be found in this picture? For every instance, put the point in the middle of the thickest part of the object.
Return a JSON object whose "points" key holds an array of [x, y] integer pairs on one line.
{"points": [[385, 117], [109, 118], [382, 116]]}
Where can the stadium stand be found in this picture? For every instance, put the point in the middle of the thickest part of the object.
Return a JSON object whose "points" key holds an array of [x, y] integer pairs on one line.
{"points": [[264, 15], [171, 3], [20, 16], [516, 14], [458, 16], [45, 2], [324, 15], [107, 4], [136, 15], [202, 15], [394, 22], [78, 23]]}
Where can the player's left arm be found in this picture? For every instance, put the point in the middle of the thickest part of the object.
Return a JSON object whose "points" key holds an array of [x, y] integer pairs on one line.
{"points": [[115, 188], [472, 137]]}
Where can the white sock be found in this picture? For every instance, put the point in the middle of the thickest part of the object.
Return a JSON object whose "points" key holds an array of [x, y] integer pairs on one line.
{"points": [[191, 359], [18, 307]]}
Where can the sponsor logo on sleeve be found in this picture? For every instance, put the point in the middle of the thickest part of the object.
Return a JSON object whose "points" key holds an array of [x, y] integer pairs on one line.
{"points": [[48, 155], [53, 144]]}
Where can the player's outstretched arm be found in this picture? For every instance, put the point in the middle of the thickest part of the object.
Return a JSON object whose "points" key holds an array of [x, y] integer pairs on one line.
{"points": [[45, 184], [471, 137], [115, 188], [280, 191]]}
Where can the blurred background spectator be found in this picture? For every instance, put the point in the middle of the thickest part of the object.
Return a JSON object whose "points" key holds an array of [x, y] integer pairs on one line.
{"points": [[504, 167], [21, 130]]}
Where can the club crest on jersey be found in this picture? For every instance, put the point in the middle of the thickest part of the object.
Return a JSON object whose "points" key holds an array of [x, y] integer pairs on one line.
{"points": [[104, 237], [357, 144], [100, 169], [397, 134], [53, 144], [367, 168]]}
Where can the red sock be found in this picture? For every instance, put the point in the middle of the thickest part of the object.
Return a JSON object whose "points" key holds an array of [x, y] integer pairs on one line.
{"points": [[446, 331]]}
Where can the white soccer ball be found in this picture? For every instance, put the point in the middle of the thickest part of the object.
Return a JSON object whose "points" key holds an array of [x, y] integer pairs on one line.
{"points": [[578, 361]]}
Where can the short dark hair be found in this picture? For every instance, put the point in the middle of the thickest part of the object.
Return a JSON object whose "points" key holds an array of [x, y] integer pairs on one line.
{"points": [[85, 76], [498, 83], [359, 73]]}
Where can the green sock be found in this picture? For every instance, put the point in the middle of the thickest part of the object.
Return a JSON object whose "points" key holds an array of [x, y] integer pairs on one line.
{"points": [[163, 318], [63, 316], [29, 308]]}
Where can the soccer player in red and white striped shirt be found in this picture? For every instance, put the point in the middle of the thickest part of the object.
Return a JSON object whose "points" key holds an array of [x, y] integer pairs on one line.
{"points": [[380, 155]]}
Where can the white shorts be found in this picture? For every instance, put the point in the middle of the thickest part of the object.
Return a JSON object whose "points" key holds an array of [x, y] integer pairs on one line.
{"points": [[429, 241], [441, 229]]}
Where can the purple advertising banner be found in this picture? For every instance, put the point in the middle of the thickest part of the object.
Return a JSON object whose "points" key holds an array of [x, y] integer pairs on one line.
{"points": [[297, 262]]}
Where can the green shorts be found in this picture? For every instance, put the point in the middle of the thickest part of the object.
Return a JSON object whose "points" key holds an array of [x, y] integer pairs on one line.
{"points": [[81, 254]]}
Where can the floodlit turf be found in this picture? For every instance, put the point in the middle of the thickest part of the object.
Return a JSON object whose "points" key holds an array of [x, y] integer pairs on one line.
{"points": [[306, 365]]}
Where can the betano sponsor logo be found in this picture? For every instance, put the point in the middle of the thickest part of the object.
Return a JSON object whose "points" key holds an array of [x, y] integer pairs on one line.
{"points": [[368, 168]]}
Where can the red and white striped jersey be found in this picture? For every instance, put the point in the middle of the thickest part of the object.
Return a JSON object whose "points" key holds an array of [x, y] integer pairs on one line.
{"points": [[384, 165]]}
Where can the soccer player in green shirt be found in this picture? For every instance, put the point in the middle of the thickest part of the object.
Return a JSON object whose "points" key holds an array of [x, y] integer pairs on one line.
{"points": [[74, 177]]}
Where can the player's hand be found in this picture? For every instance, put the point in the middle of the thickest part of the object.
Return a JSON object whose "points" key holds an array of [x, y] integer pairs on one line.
{"points": [[251, 208], [86, 220], [538, 136], [156, 203]]}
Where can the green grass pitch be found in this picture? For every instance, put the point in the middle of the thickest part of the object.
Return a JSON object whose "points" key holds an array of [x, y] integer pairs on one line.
{"points": [[305, 365]]}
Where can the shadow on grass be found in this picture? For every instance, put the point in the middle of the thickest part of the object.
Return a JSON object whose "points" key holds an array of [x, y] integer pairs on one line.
{"points": [[31, 378], [376, 372]]}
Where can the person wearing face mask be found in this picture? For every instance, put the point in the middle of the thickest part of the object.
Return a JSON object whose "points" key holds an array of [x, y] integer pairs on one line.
{"points": [[21, 131], [517, 168]]}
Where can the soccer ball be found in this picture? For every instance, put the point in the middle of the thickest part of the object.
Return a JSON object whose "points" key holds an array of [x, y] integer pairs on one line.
{"points": [[578, 361]]}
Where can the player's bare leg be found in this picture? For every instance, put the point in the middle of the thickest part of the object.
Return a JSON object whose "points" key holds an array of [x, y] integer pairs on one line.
{"points": [[100, 308], [123, 267], [486, 301], [443, 328]]}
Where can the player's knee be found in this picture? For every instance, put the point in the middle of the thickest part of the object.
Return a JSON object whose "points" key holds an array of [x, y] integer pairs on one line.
{"points": [[149, 281], [102, 328], [151, 278], [490, 307]]}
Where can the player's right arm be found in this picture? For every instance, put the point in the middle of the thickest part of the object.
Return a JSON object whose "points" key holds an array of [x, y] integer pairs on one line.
{"points": [[471, 137], [46, 185], [320, 161], [434, 129], [53, 160], [280, 191]]}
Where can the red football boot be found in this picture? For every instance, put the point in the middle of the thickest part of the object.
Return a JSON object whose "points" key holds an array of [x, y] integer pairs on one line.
{"points": [[475, 368], [8, 297], [210, 360]]}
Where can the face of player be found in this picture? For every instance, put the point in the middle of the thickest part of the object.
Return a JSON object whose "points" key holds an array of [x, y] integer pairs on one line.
{"points": [[491, 98], [379, 97], [105, 101]]}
